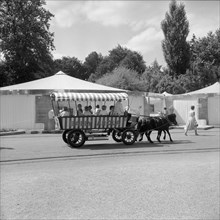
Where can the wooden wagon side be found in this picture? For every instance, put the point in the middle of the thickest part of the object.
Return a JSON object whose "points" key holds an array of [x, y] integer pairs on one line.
{"points": [[102, 122]]}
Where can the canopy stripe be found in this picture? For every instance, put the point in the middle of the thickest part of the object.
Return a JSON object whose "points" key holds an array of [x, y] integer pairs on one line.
{"points": [[73, 96]]}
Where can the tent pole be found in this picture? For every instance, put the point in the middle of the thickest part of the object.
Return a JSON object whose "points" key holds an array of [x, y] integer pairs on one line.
{"points": [[69, 104], [76, 108], [58, 108], [52, 105]]}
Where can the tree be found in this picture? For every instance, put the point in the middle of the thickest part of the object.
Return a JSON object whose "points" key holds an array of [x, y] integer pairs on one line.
{"points": [[4, 75], [121, 57], [26, 41], [91, 63], [205, 58], [175, 47], [105, 66], [71, 66], [134, 61], [151, 76], [170, 84], [123, 78]]}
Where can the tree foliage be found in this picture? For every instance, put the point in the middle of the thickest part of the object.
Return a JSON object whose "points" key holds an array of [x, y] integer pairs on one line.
{"points": [[121, 57], [134, 61], [175, 47], [91, 63], [205, 58], [26, 41], [151, 76], [71, 66], [123, 78]]}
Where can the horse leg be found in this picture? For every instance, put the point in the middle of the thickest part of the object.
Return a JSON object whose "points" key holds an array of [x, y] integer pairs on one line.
{"points": [[158, 135], [164, 137], [148, 136], [141, 136], [169, 135]]}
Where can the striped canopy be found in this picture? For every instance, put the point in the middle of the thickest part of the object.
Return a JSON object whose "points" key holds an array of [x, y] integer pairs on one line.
{"points": [[74, 96]]}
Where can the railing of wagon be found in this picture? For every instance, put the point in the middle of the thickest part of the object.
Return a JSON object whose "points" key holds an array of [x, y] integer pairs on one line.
{"points": [[92, 122]]}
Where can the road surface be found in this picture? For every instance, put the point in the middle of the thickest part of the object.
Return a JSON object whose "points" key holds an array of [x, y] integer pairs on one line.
{"points": [[41, 178]]}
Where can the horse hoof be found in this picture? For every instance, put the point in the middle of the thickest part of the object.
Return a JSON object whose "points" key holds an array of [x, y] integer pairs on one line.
{"points": [[140, 139]]}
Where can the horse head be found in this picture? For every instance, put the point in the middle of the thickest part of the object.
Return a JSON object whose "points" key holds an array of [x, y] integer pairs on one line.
{"points": [[172, 119]]}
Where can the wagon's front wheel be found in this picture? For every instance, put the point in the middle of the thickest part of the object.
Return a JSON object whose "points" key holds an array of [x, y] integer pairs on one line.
{"points": [[76, 138], [128, 137], [117, 136], [64, 135]]}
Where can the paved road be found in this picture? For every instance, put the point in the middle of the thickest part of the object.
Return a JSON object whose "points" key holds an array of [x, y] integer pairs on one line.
{"points": [[51, 146], [110, 181]]}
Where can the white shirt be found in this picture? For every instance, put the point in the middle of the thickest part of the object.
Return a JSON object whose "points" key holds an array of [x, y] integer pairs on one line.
{"points": [[103, 112], [64, 113]]}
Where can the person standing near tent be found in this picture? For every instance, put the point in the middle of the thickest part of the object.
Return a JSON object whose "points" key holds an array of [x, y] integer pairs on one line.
{"points": [[51, 121], [191, 123], [164, 113]]}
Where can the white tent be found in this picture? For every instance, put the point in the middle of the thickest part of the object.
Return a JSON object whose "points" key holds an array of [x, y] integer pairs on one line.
{"points": [[213, 89], [26, 105], [61, 81], [206, 101], [204, 92], [167, 94]]}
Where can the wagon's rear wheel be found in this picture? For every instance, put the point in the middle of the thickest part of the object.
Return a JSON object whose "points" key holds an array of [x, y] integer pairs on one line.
{"points": [[128, 137], [64, 135], [76, 138], [117, 136]]}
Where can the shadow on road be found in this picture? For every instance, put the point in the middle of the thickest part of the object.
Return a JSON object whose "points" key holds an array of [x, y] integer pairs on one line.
{"points": [[6, 148], [142, 144]]}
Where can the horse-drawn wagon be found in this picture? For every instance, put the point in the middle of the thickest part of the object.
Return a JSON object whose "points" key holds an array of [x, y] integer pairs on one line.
{"points": [[79, 128]]}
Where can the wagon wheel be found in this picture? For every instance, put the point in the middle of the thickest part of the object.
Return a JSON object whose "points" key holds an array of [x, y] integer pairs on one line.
{"points": [[64, 135], [76, 138], [117, 136], [128, 137]]}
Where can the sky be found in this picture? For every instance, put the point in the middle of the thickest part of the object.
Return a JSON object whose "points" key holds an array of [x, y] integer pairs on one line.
{"points": [[81, 27]]}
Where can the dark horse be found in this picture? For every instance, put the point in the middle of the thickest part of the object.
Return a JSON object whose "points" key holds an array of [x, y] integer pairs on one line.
{"points": [[146, 126]]}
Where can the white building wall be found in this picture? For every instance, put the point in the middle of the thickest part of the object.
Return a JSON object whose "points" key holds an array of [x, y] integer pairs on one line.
{"points": [[214, 110], [182, 108], [17, 112]]}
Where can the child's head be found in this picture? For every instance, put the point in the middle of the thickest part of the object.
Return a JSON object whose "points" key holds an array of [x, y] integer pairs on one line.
{"points": [[104, 107], [86, 108]]}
